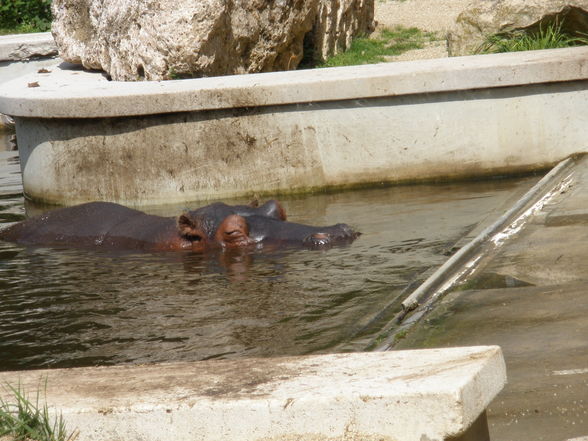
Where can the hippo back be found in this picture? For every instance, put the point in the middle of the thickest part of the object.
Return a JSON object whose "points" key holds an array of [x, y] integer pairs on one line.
{"points": [[81, 225]]}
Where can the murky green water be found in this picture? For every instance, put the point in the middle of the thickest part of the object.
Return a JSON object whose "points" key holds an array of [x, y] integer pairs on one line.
{"points": [[67, 307]]}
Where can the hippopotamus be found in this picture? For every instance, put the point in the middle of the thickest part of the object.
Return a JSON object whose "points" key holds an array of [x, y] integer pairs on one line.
{"points": [[216, 226]]}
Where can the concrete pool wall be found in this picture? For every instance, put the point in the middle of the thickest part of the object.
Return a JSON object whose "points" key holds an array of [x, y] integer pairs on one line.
{"points": [[82, 137]]}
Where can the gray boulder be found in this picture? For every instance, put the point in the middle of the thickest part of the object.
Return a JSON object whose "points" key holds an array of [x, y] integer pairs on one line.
{"points": [[165, 39], [483, 18]]}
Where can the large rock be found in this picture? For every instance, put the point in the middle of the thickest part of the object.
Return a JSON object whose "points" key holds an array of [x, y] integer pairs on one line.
{"points": [[337, 22], [163, 39], [483, 18]]}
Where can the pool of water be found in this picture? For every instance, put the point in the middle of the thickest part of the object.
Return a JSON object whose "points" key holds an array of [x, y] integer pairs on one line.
{"points": [[71, 307]]}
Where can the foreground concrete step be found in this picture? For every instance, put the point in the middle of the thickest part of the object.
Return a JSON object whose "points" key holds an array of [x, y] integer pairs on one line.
{"points": [[419, 395]]}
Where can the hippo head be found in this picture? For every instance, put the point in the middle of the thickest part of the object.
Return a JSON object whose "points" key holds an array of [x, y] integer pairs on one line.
{"points": [[225, 226]]}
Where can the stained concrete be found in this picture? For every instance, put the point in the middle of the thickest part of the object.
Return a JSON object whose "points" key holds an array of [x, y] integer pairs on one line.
{"points": [[396, 396], [530, 298]]}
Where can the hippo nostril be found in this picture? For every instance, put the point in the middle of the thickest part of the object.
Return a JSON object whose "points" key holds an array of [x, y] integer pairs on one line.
{"points": [[347, 231], [193, 238]]}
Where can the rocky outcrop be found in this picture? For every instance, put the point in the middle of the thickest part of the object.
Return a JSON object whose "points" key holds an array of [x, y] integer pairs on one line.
{"points": [[483, 18], [337, 22], [6, 123], [165, 39]]}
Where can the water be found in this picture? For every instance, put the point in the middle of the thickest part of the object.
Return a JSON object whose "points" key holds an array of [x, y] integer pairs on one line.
{"points": [[68, 307]]}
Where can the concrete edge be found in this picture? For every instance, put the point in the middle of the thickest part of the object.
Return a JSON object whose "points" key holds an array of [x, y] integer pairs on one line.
{"points": [[400, 395], [449, 273], [467, 259], [71, 93], [21, 47]]}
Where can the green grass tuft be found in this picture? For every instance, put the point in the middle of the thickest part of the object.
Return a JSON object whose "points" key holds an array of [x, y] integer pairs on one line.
{"points": [[552, 37], [24, 420], [389, 42], [26, 28]]}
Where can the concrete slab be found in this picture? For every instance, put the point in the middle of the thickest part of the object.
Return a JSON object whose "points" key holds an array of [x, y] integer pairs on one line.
{"points": [[9, 70], [394, 396], [20, 47]]}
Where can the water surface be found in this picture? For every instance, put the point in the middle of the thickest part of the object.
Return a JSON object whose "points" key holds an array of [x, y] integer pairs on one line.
{"points": [[71, 307]]}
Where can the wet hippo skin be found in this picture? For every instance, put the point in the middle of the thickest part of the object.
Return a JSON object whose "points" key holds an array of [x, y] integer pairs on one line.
{"points": [[215, 226]]}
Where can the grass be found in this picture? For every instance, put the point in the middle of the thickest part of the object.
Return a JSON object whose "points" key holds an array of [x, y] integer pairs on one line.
{"points": [[389, 42], [24, 420], [22, 29], [552, 37]]}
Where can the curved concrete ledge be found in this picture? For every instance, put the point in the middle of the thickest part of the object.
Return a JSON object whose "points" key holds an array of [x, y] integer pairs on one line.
{"points": [[83, 138], [434, 395], [67, 93]]}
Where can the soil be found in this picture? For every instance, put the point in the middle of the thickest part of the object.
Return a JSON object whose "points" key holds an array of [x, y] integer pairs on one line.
{"points": [[436, 16]]}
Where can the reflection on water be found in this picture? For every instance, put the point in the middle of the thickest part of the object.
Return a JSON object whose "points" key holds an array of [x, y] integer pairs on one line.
{"points": [[68, 307]]}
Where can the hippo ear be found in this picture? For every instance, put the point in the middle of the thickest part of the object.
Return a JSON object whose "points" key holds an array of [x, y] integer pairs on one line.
{"points": [[188, 228], [233, 232], [254, 203], [273, 208]]}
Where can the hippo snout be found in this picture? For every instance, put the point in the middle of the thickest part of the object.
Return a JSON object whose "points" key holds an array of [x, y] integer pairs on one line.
{"points": [[335, 234]]}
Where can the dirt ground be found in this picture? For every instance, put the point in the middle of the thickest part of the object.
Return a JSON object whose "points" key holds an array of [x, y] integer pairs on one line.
{"points": [[428, 15]]}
